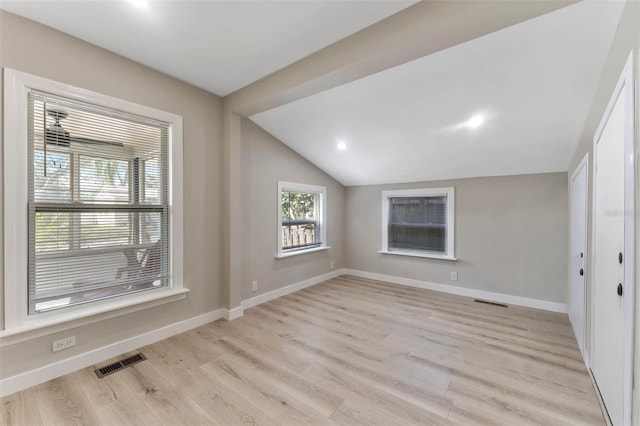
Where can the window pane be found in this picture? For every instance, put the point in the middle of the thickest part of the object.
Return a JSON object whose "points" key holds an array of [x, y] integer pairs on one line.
{"points": [[418, 223], [104, 180], [152, 182], [82, 276], [299, 220], [106, 263], [102, 229], [151, 227], [56, 184], [52, 231]]}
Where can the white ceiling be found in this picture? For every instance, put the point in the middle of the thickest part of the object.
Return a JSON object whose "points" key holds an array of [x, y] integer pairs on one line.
{"points": [[219, 46], [534, 83]]}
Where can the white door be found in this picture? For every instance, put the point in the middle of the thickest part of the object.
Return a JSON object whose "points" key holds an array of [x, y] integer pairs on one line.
{"points": [[613, 240], [609, 242], [578, 252]]}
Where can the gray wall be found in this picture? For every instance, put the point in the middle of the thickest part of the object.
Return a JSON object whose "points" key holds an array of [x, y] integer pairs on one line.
{"points": [[511, 236], [627, 40], [265, 161], [36, 49]]}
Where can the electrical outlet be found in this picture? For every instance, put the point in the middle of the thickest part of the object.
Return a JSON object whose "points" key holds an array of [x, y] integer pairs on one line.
{"points": [[254, 286], [65, 343], [454, 276], [331, 264]]}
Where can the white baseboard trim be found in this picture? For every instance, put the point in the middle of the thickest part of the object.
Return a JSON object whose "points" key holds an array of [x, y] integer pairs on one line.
{"points": [[39, 375], [463, 291], [231, 314], [265, 297]]}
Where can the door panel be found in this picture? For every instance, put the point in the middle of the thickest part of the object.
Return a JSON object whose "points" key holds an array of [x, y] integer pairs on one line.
{"points": [[608, 327]]}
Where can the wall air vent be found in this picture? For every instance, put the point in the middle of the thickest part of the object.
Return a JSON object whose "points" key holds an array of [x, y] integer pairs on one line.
{"points": [[502, 305]]}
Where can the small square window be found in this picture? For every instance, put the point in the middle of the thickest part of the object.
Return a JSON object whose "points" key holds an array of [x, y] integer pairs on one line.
{"points": [[419, 222], [301, 226]]}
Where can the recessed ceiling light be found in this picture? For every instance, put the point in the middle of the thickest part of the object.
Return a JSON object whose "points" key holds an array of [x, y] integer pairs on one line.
{"points": [[139, 3], [475, 121], [342, 145]]}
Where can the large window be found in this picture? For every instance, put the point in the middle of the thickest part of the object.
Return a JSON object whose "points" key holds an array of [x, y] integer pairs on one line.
{"points": [[301, 226], [98, 202], [419, 222], [93, 232]]}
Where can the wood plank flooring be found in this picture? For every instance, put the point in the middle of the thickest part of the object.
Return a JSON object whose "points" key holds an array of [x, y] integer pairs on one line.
{"points": [[349, 351]]}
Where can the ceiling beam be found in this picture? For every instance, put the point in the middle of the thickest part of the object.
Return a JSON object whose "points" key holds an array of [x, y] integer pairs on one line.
{"points": [[417, 31]]}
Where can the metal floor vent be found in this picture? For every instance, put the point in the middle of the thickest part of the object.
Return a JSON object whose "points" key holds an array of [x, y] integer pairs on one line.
{"points": [[119, 365], [502, 305]]}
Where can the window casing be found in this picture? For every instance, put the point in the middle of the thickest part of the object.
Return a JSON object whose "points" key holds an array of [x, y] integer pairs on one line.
{"points": [[419, 222], [301, 218], [95, 214]]}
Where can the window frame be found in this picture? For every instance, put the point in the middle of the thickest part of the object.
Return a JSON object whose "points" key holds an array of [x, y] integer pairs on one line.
{"points": [[449, 193], [17, 320], [321, 220]]}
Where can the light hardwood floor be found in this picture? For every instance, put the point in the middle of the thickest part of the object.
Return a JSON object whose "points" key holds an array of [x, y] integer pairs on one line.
{"points": [[348, 351]]}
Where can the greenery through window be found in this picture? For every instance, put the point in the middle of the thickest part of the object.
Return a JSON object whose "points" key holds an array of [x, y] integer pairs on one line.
{"points": [[301, 211]]}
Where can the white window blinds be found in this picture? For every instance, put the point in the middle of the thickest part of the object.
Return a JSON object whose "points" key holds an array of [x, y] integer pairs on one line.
{"points": [[98, 203], [419, 222]]}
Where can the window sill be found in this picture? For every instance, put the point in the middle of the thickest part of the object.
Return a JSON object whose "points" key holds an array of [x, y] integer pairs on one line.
{"points": [[418, 254], [89, 313], [297, 252]]}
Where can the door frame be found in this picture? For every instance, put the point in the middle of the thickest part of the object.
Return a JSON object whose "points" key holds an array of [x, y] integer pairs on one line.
{"points": [[624, 87], [584, 164]]}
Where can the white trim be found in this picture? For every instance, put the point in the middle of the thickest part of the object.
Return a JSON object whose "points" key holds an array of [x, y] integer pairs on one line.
{"points": [[16, 88], [283, 291], [448, 192], [463, 291], [322, 220], [176, 199], [624, 87], [231, 314], [15, 200], [585, 357], [630, 240], [303, 251], [39, 375], [417, 254], [583, 163]]}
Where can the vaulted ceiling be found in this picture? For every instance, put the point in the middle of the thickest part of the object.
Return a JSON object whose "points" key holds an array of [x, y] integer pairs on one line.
{"points": [[219, 46], [532, 82]]}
